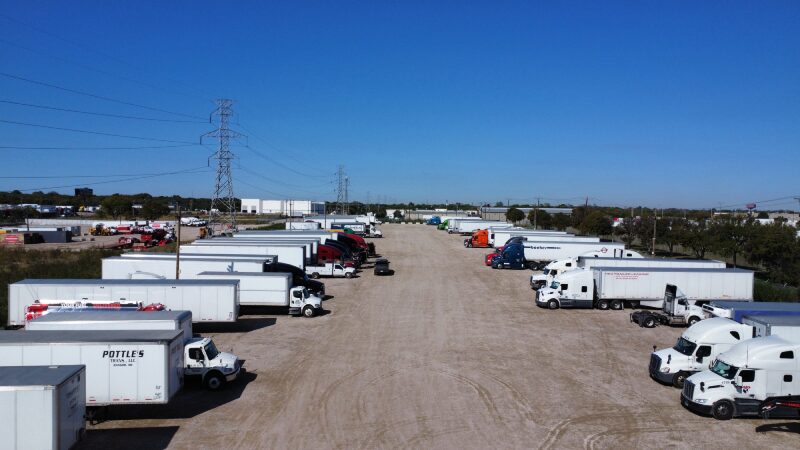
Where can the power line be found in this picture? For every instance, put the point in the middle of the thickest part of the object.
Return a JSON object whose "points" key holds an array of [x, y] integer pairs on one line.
{"points": [[142, 177], [223, 189], [273, 146], [100, 97], [93, 132], [281, 164], [144, 147], [294, 186], [116, 116]]}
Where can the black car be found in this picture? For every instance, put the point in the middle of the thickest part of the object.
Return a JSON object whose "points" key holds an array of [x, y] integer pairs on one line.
{"points": [[382, 267]]}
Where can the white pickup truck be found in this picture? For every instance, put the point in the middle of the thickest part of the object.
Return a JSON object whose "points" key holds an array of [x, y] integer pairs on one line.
{"points": [[330, 270]]}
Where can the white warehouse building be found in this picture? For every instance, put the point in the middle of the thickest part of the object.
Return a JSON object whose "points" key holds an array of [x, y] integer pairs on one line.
{"points": [[289, 208]]}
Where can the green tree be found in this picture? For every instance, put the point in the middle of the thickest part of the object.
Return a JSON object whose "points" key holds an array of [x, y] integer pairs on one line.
{"points": [[597, 223], [695, 236], [561, 221], [116, 206], [730, 235], [542, 219], [498, 204], [671, 234], [514, 215], [152, 209], [627, 230]]}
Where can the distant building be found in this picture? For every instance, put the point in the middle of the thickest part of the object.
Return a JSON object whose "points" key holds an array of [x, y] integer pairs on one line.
{"points": [[288, 208]]}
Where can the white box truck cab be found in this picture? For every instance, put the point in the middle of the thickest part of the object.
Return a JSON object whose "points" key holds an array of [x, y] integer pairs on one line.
{"points": [[742, 377], [271, 289], [584, 261], [700, 344]]}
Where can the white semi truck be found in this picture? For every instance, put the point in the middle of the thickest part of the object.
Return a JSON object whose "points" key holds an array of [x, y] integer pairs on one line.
{"points": [[208, 300], [270, 289], [702, 342], [594, 259], [203, 360], [333, 270], [744, 376], [613, 287]]}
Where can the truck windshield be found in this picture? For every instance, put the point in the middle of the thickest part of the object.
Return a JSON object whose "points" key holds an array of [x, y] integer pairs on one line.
{"points": [[555, 285], [724, 370], [546, 271], [684, 347], [211, 350]]}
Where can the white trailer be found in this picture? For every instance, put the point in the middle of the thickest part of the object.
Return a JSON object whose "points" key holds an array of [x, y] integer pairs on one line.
{"points": [[42, 407], [271, 289], [263, 234], [467, 226], [311, 243], [208, 300], [127, 268], [294, 254], [612, 287], [535, 254], [302, 226], [499, 236], [333, 270], [122, 367]]}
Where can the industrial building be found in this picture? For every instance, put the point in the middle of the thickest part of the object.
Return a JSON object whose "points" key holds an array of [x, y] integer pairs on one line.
{"points": [[288, 208]]}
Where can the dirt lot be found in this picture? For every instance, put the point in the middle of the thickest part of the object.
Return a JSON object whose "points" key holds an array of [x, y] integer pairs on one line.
{"points": [[447, 353]]}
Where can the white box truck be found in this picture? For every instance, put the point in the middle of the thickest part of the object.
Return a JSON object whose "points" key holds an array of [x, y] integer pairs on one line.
{"points": [[42, 407], [208, 300], [613, 287], [122, 367], [702, 342], [332, 270], [271, 289], [203, 361], [744, 376], [287, 252], [131, 268]]}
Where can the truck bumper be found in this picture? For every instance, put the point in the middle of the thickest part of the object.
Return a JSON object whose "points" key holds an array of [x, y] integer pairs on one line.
{"points": [[662, 377], [696, 407], [233, 376]]}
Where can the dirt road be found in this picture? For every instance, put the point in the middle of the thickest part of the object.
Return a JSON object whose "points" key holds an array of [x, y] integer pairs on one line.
{"points": [[447, 353]]}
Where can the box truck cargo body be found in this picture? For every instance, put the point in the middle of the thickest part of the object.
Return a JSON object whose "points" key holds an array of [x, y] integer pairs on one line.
{"points": [[294, 254], [115, 321], [42, 407], [127, 268], [302, 226], [310, 244], [737, 310], [207, 300], [611, 287], [271, 289], [122, 367]]}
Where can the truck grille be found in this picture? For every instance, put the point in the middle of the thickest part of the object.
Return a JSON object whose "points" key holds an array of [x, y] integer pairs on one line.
{"points": [[688, 390], [655, 364]]}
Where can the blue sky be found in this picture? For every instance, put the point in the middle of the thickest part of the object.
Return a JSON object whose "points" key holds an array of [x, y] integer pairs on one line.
{"points": [[685, 104]]}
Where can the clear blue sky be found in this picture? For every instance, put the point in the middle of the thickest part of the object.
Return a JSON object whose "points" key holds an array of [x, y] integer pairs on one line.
{"points": [[685, 104]]}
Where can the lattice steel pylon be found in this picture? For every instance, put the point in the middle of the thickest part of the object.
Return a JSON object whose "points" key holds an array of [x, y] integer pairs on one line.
{"points": [[222, 214], [341, 190]]}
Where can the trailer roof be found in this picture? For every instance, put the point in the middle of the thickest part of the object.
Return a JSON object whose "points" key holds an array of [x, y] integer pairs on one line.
{"points": [[279, 232], [104, 315], [203, 257], [774, 320], [669, 269], [764, 306], [611, 258], [255, 243], [613, 244], [151, 282], [248, 274], [88, 336], [37, 375]]}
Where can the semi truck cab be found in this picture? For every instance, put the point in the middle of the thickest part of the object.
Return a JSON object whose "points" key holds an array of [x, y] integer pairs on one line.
{"points": [[572, 289], [479, 239], [213, 367], [512, 257]]}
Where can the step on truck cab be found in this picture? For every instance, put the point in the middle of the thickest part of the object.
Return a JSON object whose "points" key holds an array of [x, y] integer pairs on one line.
{"points": [[744, 376]]}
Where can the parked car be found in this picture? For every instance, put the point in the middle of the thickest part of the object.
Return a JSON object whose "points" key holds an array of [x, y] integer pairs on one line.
{"points": [[382, 267]]}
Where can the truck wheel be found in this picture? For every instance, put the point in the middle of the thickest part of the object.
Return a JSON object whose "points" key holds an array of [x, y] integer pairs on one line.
{"points": [[616, 304], [693, 320], [649, 322], [308, 311], [315, 275], [678, 379], [552, 304], [722, 410], [348, 275], [214, 381], [533, 266], [603, 304]]}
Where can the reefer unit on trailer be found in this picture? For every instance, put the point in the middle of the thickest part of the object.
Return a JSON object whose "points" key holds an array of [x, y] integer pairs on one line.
{"points": [[289, 253], [115, 321], [208, 300], [737, 310], [122, 367], [122, 268], [611, 287], [271, 289], [42, 407]]}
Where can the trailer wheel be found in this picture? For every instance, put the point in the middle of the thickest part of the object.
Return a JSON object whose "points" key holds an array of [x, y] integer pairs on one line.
{"points": [[679, 379], [308, 311], [214, 381], [649, 322], [722, 410], [552, 304], [315, 275], [693, 320], [348, 275], [616, 304], [603, 305]]}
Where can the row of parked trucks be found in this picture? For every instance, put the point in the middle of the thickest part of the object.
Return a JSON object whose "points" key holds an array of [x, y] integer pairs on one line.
{"points": [[127, 338]]}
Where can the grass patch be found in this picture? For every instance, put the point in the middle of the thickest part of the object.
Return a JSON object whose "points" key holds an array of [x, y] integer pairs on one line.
{"points": [[765, 291]]}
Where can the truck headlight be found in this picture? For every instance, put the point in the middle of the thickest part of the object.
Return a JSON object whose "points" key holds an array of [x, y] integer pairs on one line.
{"points": [[665, 369], [701, 401]]}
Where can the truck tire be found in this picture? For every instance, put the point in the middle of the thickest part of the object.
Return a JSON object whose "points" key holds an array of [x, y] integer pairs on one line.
{"points": [[616, 305], [603, 305], [348, 275], [214, 381], [552, 304], [722, 410], [315, 275], [533, 266], [693, 320], [308, 311], [649, 322], [679, 379]]}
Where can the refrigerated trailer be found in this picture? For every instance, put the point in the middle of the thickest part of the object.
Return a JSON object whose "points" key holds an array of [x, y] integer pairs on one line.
{"points": [[499, 236], [127, 268], [539, 253], [271, 289], [208, 300], [289, 253], [613, 287], [42, 407], [122, 367]]}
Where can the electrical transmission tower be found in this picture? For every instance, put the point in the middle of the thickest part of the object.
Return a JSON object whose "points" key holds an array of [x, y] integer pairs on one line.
{"points": [[341, 190], [222, 215]]}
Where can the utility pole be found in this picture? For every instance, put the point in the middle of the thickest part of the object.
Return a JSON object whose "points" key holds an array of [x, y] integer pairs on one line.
{"points": [[655, 221], [178, 246], [536, 213], [223, 200], [347, 195]]}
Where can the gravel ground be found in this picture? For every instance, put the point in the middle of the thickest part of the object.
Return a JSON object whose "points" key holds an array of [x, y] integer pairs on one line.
{"points": [[447, 353]]}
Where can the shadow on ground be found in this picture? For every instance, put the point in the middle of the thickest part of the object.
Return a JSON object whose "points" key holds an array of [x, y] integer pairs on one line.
{"points": [[243, 325], [154, 438]]}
